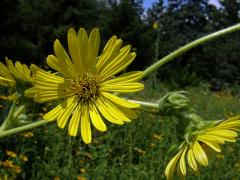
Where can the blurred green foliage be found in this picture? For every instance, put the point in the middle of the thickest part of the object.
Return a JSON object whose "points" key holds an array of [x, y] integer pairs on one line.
{"points": [[29, 27]]}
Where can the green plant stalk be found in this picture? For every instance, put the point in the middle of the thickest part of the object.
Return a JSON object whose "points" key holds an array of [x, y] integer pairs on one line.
{"points": [[9, 118], [189, 46], [23, 128], [146, 104]]}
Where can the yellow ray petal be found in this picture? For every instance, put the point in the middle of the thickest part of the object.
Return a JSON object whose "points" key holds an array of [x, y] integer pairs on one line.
{"points": [[125, 78], [83, 49], [96, 119], [223, 133], [182, 164], [64, 115], [211, 144], [169, 171], [86, 126], [45, 96], [74, 122], [94, 41], [123, 88], [54, 63], [53, 114], [4, 70], [13, 70], [131, 114], [119, 101], [48, 77], [199, 154], [110, 51], [115, 111], [63, 58], [107, 114], [31, 92], [74, 49], [117, 64], [191, 160]]}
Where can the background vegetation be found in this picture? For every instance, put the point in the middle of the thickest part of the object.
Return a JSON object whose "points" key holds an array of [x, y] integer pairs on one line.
{"points": [[141, 149], [29, 28]]}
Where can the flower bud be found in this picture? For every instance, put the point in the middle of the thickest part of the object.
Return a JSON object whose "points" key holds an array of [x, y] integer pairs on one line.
{"points": [[173, 102]]}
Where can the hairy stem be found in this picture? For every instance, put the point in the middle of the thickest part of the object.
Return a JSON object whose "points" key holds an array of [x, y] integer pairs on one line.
{"points": [[23, 128], [189, 46]]}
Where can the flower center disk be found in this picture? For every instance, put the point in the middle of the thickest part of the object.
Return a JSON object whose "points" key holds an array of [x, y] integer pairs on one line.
{"points": [[85, 87]]}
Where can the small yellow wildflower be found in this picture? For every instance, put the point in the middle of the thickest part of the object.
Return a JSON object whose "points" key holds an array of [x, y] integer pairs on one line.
{"points": [[82, 170], [195, 150], [8, 164], [10, 73], [23, 158], [17, 169], [27, 134], [81, 178], [11, 154], [155, 25], [87, 83], [56, 178]]}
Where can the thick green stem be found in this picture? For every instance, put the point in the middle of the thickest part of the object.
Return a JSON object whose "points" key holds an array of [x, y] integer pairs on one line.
{"points": [[23, 128], [146, 104], [189, 46]]}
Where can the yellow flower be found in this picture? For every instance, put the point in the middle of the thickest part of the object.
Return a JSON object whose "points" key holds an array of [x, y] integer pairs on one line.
{"points": [[85, 82], [11, 154], [155, 25], [196, 150], [10, 73], [8, 164], [23, 158]]}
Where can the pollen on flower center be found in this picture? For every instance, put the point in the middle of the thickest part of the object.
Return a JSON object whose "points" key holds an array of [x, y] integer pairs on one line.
{"points": [[85, 87]]}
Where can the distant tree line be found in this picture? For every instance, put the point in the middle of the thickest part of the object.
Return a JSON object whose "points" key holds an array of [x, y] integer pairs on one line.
{"points": [[29, 27]]}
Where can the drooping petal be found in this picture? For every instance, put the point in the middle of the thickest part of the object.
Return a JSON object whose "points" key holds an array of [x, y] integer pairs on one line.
{"points": [[191, 160], [169, 171], [211, 144], [199, 154], [223, 133], [182, 164]]}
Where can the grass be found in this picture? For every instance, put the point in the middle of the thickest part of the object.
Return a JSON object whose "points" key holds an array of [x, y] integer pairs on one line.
{"points": [[138, 150]]}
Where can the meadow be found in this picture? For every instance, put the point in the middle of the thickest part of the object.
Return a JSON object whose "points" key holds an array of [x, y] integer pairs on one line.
{"points": [[137, 150]]}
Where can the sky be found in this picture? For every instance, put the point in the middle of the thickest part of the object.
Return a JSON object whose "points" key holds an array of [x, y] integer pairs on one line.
{"points": [[148, 3]]}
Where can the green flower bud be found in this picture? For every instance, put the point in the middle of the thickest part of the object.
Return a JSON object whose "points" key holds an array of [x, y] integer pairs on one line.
{"points": [[173, 102]]}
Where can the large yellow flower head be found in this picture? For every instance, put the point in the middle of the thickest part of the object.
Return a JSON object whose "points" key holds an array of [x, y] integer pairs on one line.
{"points": [[195, 151], [85, 83], [11, 73]]}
